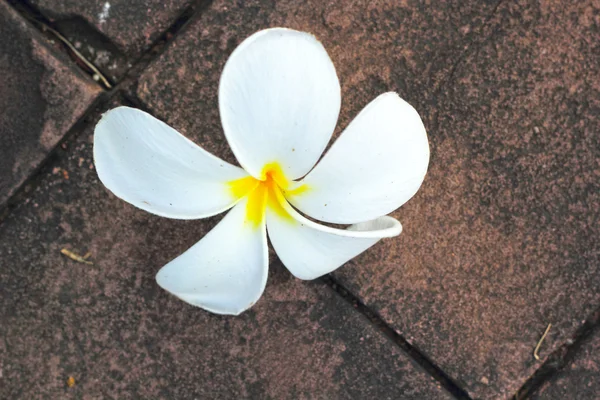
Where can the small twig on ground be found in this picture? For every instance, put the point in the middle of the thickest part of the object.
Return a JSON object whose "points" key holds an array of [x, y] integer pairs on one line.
{"points": [[97, 74], [77, 257], [537, 348]]}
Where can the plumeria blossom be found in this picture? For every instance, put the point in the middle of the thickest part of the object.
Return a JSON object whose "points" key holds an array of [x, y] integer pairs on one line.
{"points": [[279, 99]]}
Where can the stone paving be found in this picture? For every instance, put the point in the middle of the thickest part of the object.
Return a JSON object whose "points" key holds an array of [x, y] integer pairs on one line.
{"points": [[41, 97], [501, 240]]}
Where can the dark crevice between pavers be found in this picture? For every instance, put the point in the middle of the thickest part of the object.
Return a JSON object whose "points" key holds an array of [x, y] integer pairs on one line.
{"points": [[189, 15], [76, 27], [22, 192], [561, 357], [431, 368], [56, 32]]}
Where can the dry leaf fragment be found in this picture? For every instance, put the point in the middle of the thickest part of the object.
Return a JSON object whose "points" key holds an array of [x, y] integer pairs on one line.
{"points": [[77, 257]]}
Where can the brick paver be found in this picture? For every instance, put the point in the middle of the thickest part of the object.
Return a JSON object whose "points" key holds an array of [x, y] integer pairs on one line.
{"points": [[41, 96], [502, 238]]}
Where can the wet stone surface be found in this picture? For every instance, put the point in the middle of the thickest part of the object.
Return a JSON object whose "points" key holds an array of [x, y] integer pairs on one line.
{"points": [[112, 34], [502, 238], [41, 97], [579, 379], [118, 335]]}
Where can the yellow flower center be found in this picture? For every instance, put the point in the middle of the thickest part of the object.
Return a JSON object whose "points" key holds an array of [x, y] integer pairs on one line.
{"points": [[268, 191]]}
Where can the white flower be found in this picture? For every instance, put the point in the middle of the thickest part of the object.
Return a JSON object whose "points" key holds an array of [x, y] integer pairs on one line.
{"points": [[279, 98]]}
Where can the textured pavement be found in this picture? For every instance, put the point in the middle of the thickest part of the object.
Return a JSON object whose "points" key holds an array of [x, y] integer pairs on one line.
{"points": [[501, 240], [41, 96]]}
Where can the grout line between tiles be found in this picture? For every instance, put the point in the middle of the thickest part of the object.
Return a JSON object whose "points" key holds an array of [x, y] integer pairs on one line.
{"points": [[560, 358], [431, 368]]}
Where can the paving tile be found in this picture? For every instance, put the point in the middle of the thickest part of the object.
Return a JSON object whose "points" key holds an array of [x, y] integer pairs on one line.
{"points": [[376, 46], [41, 96], [131, 26], [111, 328], [502, 239], [483, 263], [577, 380]]}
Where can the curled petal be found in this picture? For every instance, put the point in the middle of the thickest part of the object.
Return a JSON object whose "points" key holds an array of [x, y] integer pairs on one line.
{"points": [[279, 99], [225, 272], [147, 163], [377, 164], [310, 250]]}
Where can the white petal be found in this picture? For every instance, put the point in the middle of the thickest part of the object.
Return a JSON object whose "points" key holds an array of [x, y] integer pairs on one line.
{"points": [[377, 164], [149, 164], [310, 250], [225, 272], [279, 99]]}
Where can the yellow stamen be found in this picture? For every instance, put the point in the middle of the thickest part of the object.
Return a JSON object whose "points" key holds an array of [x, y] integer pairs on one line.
{"points": [[273, 171], [268, 191], [276, 201], [255, 209], [243, 186], [298, 191]]}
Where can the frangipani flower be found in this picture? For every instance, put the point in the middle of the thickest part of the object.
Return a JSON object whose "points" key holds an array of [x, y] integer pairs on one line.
{"points": [[279, 99]]}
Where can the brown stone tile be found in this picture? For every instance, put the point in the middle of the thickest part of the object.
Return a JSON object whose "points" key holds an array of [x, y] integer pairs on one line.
{"points": [[500, 240], [131, 26], [409, 47], [110, 327], [577, 380], [376, 46], [503, 236], [41, 96]]}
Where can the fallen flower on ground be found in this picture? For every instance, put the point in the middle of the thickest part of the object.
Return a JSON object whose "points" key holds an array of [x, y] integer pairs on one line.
{"points": [[279, 99]]}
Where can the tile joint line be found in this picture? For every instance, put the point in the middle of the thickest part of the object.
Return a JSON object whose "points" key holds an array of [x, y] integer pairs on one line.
{"points": [[428, 366]]}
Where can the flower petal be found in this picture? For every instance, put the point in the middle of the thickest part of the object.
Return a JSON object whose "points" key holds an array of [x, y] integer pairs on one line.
{"points": [[377, 164], [225, 272], [279, 99], [310, 250], [149, 164]]}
